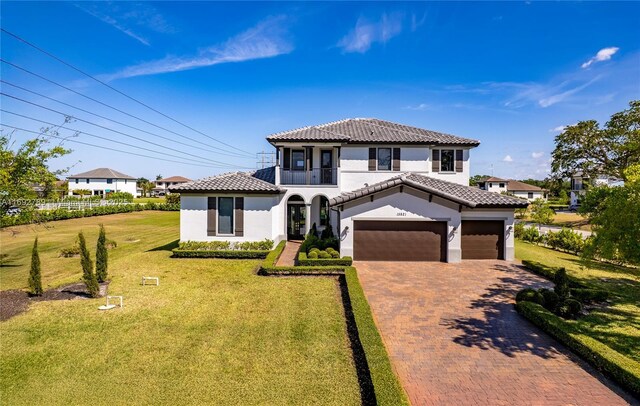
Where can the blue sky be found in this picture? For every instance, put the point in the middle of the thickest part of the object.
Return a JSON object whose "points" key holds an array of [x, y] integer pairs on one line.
{"points": [[510, 74]]}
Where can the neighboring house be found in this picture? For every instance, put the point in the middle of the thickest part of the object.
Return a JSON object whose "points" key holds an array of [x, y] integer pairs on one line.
{"points": [[513, 187], [162, 186], [101, 181], [390, 191], [580, 184], [58, 188]]}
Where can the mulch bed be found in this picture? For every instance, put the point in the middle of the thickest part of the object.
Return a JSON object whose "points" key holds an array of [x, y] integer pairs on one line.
{"points": [[13, 302]]}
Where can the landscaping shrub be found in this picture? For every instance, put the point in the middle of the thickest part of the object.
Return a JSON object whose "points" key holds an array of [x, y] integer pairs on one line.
{"points": [[271, 258], [264, 245], [35, 274], [327, 233], [518, 230], [311, 255], [312, 241], [312, 259], [530, 234], [172, 198], [561, 283], [229, 254], [70, 252], [88, 276], [530, 295], [569, 308], [111, 244], [126, 196], [551, 298], [587, 295], [101, 256], [548, 272], [565, 240], [621, 368], [324, 255]]}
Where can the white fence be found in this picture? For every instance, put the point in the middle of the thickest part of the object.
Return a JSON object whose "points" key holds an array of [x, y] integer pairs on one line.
{"points": [[79, 204]]}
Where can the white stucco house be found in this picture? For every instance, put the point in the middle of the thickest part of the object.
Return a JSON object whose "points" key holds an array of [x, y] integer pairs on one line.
{"points": [[101, 181], [513, 187], [162, 186], [580, 184], [390, 191]]}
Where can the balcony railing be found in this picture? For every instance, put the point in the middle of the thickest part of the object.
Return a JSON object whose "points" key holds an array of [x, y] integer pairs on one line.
{"points": [[318, 176]]}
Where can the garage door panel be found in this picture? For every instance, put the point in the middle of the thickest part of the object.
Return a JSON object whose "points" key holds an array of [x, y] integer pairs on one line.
{"points": [[399, 241], [482, 239]]}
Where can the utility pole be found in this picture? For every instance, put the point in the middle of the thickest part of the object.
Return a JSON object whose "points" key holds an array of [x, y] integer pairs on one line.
{"points": [[265, 159]]}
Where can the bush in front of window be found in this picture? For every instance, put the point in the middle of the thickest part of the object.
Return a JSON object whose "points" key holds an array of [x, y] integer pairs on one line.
{"points": [[264, 245]]}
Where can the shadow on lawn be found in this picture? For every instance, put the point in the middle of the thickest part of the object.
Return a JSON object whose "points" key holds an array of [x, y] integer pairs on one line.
{"points": [[501, 328], [167, 247]]}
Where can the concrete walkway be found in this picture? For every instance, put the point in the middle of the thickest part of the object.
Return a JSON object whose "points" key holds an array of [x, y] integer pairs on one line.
{"points": [[454, 337], [555, 229], [288, 256]]}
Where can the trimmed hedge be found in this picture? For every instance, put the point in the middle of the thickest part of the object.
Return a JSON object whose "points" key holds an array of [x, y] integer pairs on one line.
{"points": [[303, 260], [272, 257], [302, 270], [548, 272], [386, 386], [229, 254], [619, 367], [264, 245], [40, 216], [587, 295]]}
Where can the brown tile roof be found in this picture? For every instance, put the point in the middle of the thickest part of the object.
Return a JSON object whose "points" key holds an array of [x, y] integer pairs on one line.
{"points": [[174, 179], [101, 173], [370, 130], [516, 186], [465, 195], [260, 181]]}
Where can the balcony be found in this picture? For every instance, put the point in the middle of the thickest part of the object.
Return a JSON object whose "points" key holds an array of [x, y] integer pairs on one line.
{"points": [[317, 176]]}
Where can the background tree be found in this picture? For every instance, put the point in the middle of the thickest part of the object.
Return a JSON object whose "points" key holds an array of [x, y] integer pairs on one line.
{"points": [[88, 276], [35, 274], [614, 215], [101, 256], [26, 165], [594, 151], [475, 179], [82, 192], [563, 196], [145, 185], [158, 177], [541, 213]]}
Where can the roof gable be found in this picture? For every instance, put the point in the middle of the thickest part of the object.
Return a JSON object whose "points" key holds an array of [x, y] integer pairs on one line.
{"points": [[260, 181], [101, 173], [369, 130]]}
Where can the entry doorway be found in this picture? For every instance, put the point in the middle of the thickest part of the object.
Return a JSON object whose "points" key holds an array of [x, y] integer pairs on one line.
{"points": [[296, 218]]}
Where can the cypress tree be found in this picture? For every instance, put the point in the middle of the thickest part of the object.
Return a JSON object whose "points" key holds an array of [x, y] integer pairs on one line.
{"points": [[101, 256], [88, 276], [35, 278]]}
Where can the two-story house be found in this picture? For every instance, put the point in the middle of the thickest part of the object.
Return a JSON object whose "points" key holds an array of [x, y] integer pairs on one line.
{"points": [[102, 181], [513, 187], [580, 184], [162, 186], [390, 191]]}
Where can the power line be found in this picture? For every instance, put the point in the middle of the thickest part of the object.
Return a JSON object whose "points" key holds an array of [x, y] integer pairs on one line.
{"points": [[113, 88], [109, 106], [112, 130], [107, 148], [100, 137], [110, 119]]}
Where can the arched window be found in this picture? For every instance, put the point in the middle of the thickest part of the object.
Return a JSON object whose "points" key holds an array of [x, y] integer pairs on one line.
{"points": [[324, 211]]}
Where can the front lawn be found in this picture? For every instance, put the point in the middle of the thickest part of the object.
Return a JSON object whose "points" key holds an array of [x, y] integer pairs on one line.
{"points": [[149, 200], [618, 325], [213, 332]]}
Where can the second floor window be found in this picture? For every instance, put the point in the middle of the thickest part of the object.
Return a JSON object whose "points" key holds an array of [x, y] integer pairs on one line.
{"points": [[77, 180], [501, 185], [297, 160], [384, 159], [109, 181], [530, 195], [447, 160], [87, 180]]}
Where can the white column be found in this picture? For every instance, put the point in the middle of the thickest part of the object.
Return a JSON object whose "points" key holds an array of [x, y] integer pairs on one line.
{"points": [[307, 218]]}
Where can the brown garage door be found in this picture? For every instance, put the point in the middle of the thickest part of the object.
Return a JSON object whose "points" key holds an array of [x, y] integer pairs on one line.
{"points": [[482, 239], [400, 241]]}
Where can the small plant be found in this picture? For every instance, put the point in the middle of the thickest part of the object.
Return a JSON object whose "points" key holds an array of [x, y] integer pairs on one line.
{"points": [[172, 198], [125, 196], [35, 277], [102, 256], [70, 252], [569, 308], [313, 255], [327, 233], [111, 244], [314, 230], [324, 255], [530, 234], [88, 276], [518, 230], [561, 281], [530, 295]]}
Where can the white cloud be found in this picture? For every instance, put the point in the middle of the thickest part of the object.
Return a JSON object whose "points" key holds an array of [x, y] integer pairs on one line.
{"points": [[603, 55], [418, 107], [558, 129], [265, 40], [128, 17], [367, 33], [537, 155], [561, 96], [507, 158]]}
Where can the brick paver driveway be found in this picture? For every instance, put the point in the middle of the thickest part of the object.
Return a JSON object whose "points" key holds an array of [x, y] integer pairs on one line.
{"points": [[454, 337]]}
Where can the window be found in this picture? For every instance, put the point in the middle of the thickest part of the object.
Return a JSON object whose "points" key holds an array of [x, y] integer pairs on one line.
{"points": [[109, 181], [87, 180], [77, 180], [324, 211], [384, 159], [530, 195], [125, 181], [297, 160], [447, 160], [490, 184], [225, 215], [501, 185]]}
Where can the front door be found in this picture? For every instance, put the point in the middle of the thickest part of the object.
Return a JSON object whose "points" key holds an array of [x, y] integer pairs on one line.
{"points": [[295, 221], [326, 167]]}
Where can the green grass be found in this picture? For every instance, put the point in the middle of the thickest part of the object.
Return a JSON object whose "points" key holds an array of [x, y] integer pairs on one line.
{"points": [[213, 332], [148, 199], [618, 325]]}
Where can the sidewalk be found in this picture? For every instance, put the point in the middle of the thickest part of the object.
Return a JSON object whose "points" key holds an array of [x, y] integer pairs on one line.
{"points": [[288, 256]]}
